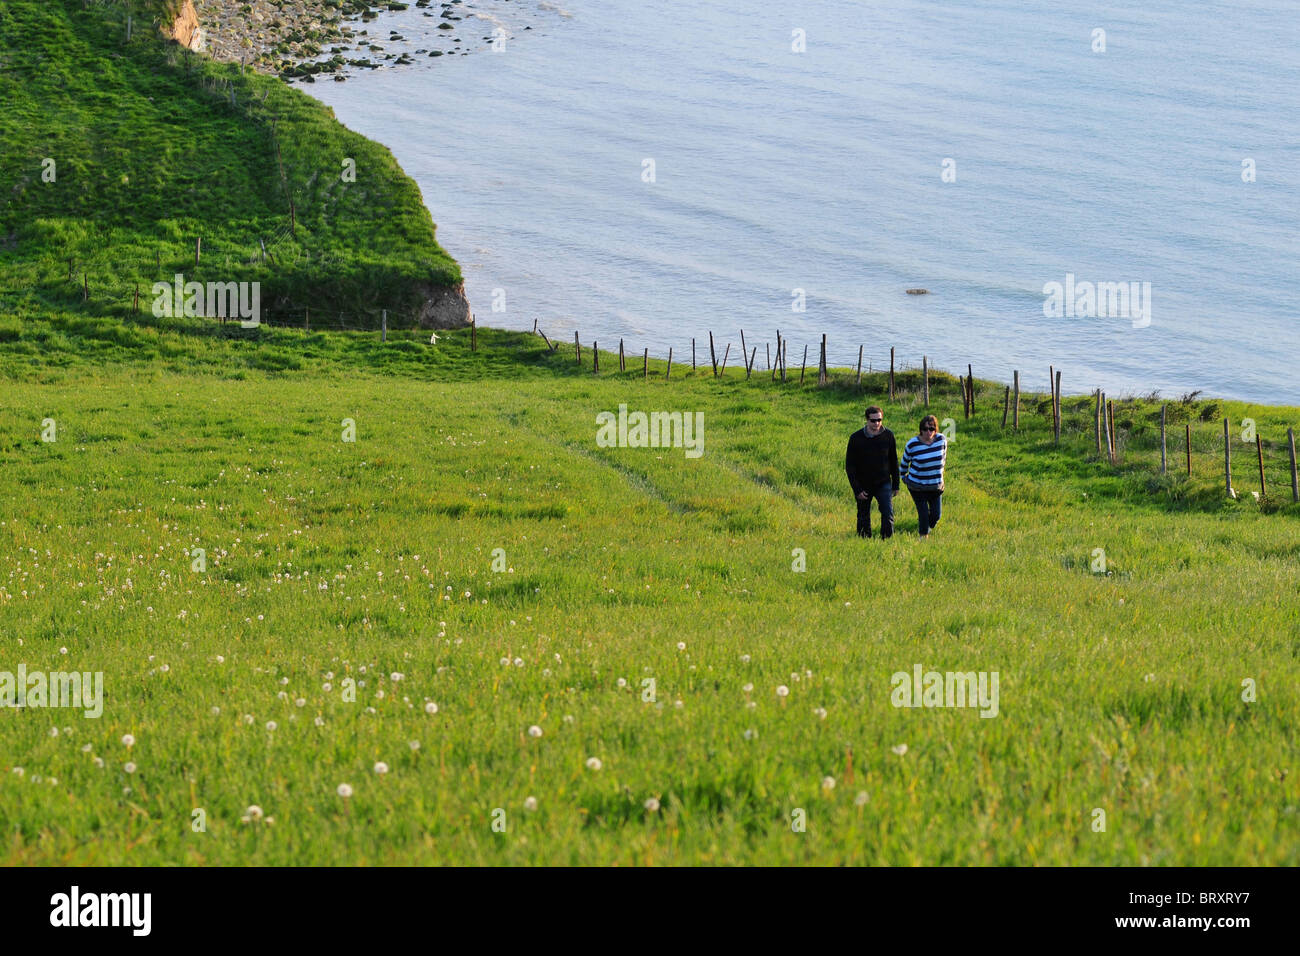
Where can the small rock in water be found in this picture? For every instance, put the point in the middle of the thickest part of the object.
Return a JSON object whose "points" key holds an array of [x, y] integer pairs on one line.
{"points": [[918, 291]]}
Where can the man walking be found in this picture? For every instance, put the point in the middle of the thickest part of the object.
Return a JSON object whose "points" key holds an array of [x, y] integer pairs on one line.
{"points": [[871, 463]]}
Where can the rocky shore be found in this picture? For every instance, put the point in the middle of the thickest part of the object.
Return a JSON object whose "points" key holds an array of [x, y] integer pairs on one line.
{"points": [[301, 38]]}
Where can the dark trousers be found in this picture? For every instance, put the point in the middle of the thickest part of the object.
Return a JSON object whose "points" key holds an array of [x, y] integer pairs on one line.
{"points": [[884, 499], [928, 505]]}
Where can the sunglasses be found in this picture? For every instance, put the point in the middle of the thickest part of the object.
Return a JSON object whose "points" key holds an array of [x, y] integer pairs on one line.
{"points": [[927, 428], [875, 421]]}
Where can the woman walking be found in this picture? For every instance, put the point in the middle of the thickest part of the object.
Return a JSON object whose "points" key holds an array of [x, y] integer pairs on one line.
{"points": [[922, 471]]}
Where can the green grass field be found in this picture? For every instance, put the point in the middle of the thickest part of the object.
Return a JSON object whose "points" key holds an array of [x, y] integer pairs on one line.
{"points": [[116, 156], [328, 560]]}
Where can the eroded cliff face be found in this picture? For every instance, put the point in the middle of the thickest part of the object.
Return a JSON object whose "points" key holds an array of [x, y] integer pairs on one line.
{"points": [[185, 29], [445, 307]]}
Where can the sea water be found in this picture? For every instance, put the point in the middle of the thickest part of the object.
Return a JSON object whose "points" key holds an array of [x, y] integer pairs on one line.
{"points": [[656, 171]]}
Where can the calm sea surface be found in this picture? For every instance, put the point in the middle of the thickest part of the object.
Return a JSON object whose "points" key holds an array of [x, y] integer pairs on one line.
{"points": [[822, 171]]}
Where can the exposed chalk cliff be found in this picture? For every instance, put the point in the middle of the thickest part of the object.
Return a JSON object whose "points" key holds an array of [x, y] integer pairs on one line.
{"points": [[185, 28], [445, 307]]}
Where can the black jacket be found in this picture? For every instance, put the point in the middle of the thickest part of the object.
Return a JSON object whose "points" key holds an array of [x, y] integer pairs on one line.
{"points": [[870, 462]]}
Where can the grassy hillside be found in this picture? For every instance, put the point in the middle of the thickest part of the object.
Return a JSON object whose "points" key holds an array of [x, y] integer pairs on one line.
{"points": [[153, 147], [373, 560]]}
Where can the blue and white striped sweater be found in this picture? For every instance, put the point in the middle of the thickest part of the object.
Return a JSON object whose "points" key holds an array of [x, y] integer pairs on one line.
{"points": [[922, 464]]}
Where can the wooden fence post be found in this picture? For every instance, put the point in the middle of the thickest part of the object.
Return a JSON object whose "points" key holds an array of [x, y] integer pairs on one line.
{"points": [[595, 357], [785, 357], [85, 288], [577, 348], [622, 363], [1015, 405], [1105, 426], [713, 356], [198, 248], [1227, 461], [1259, 450], [1163, 464], [804, 366], [1295, 482], [744, 350], [645, 366], [925, 379], [753, 357], [724, 358], [383, 329], [891, 373], [1006, 405], [669, 373], [821, 369], [970, 380], [768, 347], [692, 355], [1110, 432], [1058, 406], [1097, 424], [965, 397]]}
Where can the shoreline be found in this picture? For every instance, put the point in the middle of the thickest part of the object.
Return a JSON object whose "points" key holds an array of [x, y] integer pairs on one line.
{"points": [[303, 39]]}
